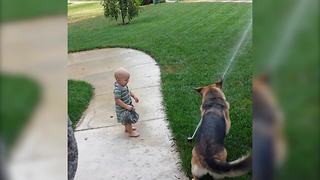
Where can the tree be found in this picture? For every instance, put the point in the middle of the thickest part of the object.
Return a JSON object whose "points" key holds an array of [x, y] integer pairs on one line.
{"points": [[123, 8]]}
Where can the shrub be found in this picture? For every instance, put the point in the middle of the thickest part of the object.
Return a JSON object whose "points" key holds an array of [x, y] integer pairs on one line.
{"points": [[126, 9], [139, 2]]}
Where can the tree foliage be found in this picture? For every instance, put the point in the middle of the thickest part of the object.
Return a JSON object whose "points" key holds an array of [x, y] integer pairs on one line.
{"points": [[126, 9]]}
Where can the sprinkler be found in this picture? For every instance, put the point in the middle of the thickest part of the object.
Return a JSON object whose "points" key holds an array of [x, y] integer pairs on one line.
{"points": [[233, 57], [195, 131]]}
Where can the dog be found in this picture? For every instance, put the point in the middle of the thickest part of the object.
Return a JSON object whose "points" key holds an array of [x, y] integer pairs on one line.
{"points": [[268, 137], [209, 154]]}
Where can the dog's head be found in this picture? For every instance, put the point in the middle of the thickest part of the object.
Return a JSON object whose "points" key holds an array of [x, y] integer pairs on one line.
{"points": [[212, 90], [212, 94]]}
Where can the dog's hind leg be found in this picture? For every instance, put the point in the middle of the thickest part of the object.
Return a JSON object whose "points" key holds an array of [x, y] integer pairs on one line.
{"points": [[197, 169], [222, 155], [227, 119]]}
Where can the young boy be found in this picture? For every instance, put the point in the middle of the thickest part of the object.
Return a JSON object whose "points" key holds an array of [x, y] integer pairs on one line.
{"points": [[123, 100]]}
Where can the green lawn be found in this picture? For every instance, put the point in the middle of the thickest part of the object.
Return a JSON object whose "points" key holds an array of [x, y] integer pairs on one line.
{"points": [[79, 96], [192, 43], [19, 10], [77, 12], [19, 97]]}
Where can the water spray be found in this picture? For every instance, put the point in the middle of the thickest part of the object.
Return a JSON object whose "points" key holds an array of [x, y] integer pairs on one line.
{"points": [[235, 52], [243, 37]]}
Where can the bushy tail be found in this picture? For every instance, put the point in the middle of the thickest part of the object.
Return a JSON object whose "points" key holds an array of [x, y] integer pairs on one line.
{"points": [[235, 168]]}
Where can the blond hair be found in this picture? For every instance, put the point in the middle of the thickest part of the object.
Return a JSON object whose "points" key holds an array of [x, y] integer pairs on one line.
{"points": [[121, 72]]}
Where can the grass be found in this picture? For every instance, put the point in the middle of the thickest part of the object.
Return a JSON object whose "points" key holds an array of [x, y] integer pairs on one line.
{"points": [[19, 98], [192, 43], [77, 12], [18, 10], [79, 96]]}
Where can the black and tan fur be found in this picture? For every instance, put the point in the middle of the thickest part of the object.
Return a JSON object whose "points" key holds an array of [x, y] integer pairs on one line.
{"points": [[209, 154], [269, 143]]}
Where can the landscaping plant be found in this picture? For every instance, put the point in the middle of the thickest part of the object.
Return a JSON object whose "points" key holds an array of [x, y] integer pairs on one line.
{"points": [[126, 9]]}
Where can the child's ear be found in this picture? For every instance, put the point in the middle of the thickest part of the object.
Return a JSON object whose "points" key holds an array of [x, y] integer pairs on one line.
{"points": [[198, 89], [219, 84]]}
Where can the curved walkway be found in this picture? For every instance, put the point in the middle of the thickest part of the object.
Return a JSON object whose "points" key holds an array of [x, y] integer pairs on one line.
{"points": [[105, 152]]}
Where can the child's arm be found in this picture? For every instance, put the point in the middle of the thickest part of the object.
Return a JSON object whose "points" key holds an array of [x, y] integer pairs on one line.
{"points": [[136, 99], [117, 98], [122, 104]]}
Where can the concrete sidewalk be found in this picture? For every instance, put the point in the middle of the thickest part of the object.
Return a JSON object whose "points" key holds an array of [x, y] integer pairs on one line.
{"points": [[105, 151]]}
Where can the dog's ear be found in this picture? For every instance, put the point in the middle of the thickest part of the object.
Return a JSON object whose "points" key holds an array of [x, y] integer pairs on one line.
{"points": [[265, 78], [198, 89], [219, 84]]}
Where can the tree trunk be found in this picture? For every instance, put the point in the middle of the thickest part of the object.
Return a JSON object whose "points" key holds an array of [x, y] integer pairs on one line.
{"points": [[122, 18], [121, 11]]}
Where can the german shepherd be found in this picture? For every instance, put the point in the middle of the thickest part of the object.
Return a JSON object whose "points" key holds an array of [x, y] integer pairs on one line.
{"points": [[268, 140], [209, 154]]}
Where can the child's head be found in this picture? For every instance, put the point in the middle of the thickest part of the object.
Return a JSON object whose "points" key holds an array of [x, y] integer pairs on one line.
{"points": [[122, 76]]}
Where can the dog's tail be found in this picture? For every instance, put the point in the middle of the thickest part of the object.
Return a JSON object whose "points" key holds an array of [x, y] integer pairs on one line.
{"points": [[235, 168]]}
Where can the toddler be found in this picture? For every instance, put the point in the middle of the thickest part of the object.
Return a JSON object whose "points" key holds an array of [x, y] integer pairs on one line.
{"points": [[123, 101]]}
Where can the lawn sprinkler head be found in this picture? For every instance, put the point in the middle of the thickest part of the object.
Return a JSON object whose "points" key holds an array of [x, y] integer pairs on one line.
{"points": [[189, 139], [195, 131]]}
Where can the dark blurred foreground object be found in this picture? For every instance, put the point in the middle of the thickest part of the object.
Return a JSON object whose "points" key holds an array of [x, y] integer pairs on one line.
{"points": [[269, 145], [2, 161], [286, 45], [72, 152]]}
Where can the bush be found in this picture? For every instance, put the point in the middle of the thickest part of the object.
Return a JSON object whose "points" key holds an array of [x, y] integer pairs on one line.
{"points": [[127, 9], [139, 2]]}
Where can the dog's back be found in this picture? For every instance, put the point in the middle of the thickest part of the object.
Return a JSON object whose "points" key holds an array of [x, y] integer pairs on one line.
{"points": [[211, 134]]}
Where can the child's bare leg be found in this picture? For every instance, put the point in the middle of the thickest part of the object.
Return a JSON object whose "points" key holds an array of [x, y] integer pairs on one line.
{"points": [[131, 132], [133, 128]]}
